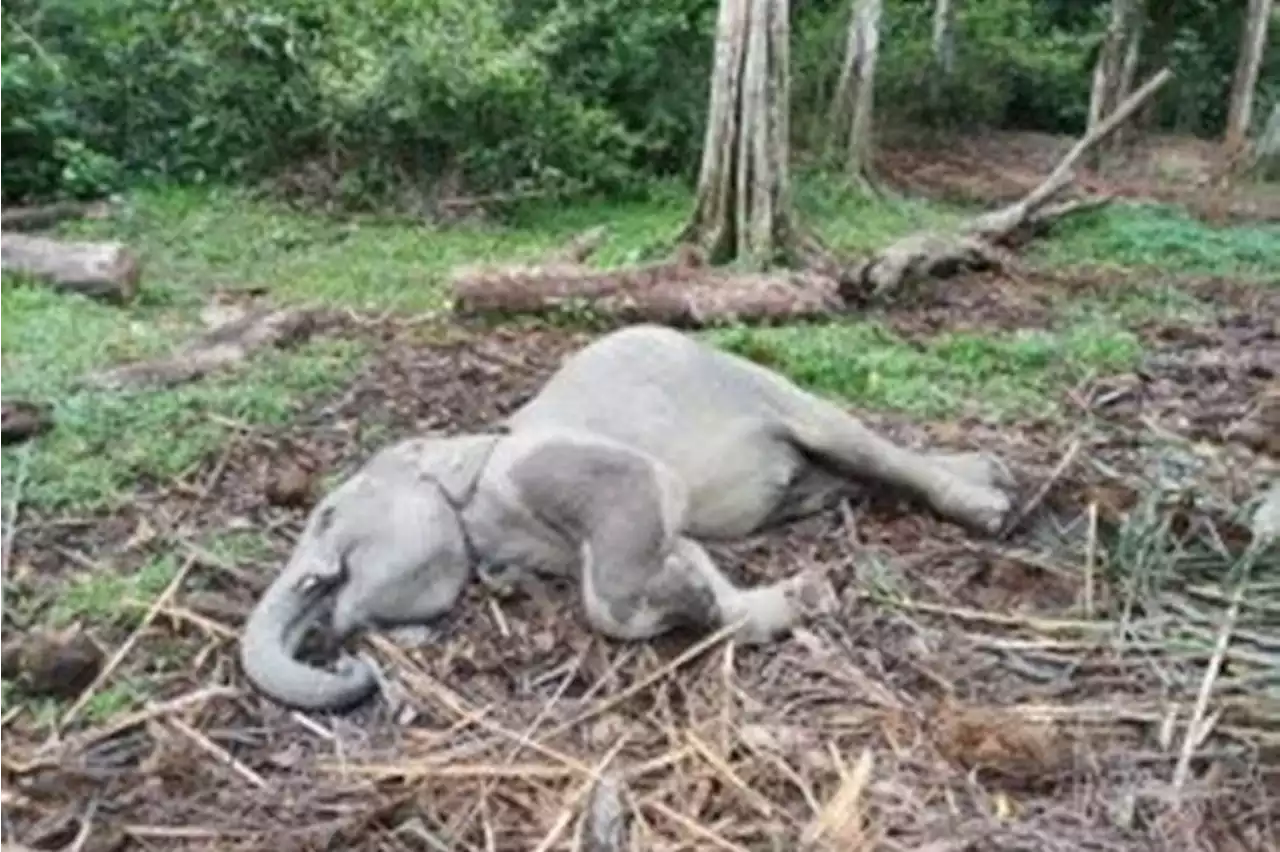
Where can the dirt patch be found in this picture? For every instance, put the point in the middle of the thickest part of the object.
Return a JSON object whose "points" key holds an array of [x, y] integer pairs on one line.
{"points": [[1002, 166], [976, 302], [949, 704], [1204, 382]]}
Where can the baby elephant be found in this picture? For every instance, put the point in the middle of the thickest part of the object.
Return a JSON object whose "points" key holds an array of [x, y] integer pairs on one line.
{"points": [[642, 444]]}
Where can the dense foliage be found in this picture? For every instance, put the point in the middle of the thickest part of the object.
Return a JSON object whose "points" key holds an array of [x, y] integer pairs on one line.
{"points": [[383, 95]]}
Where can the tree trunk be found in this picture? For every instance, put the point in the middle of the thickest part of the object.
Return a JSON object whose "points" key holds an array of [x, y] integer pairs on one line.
{"points": [[1132, 55], [1109, 69], [1129, 71], [855, 90], [674, 293], [1253, 39], [743, 198], [102, 270], [944, 36], [1267, 148]]}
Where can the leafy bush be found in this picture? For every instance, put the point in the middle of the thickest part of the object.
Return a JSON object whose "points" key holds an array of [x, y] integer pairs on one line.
{"points": [[204, 89], [383, 97], [43, 145]]}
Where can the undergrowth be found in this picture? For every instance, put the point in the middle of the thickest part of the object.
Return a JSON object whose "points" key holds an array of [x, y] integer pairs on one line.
{"points": [[1164, 238]]}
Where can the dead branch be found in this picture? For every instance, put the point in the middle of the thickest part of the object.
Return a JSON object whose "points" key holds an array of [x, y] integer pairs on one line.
{"points": [[103, 270], [581, 247], [998, 225], [977, 243], [226, 345]]}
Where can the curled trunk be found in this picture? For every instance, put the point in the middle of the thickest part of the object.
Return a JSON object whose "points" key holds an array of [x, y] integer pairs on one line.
{"points": [[272, 636]]}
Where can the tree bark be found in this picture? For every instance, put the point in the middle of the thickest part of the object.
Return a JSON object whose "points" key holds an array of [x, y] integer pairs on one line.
{"points": [[1108, 72], [743, 199], [855, 90], [1253, 40], [672, 293], [944, 36], [103, 270], [1267, 148]]}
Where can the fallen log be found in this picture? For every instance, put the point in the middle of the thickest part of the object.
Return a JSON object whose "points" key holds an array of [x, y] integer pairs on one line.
{"points": [[23, 420], [102, 270], [673, 293], [224, 346], [977, 244]]}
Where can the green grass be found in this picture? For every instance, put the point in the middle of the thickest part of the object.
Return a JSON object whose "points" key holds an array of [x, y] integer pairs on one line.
{"points": [[105, 440], [1162, 238], [993, 376]]}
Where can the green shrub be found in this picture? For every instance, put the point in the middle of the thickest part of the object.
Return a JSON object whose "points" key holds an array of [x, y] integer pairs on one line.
{"points": [[382, 97]]}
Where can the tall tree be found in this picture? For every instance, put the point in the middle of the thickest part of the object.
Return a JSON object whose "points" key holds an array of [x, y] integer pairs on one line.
{"points": [[1267, 148], [1117, 59], [944, 51], [855, 91], [1253, 39], [742, 208], [944, 36]]}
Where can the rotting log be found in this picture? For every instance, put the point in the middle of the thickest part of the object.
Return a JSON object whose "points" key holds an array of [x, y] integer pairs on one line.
{"points": [[224, 346], [23, 420], [673, 293], [979, 242], [102, 270]]}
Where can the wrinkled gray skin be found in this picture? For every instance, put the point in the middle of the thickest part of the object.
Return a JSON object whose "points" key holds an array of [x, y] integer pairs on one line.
{"points": [[643, 443]]}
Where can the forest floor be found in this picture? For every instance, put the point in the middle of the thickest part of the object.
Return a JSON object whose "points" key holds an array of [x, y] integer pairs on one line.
{"points": [[1028, 694]]}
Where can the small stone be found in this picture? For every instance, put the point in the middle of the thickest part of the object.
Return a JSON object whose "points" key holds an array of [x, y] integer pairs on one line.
{"points": [[292, 486], [61, 664]]}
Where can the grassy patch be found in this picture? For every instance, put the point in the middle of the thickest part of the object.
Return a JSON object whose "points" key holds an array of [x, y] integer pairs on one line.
{"points": [[855, 223], [994, 376], [106, 443], [1165, 238], [97, 597], [195, 239]]}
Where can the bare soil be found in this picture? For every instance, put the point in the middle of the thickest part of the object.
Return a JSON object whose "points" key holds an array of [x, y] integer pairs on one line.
{"points": [[960, 700], [1001, 166]]}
